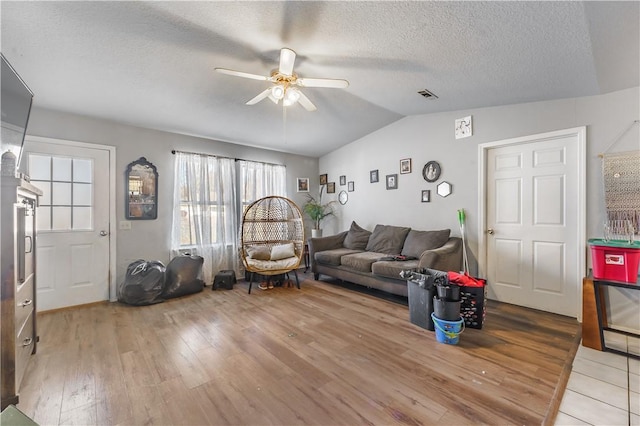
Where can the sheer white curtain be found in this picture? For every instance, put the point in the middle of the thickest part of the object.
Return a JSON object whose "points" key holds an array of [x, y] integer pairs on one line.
{"points": [[205, 215], [259, 180]]}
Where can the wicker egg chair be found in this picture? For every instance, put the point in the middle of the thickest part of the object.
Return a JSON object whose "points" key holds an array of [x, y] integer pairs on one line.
{"points": [[272, 238]]}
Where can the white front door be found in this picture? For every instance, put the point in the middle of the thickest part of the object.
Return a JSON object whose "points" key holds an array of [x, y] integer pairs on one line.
{"points": [[72, 222], [534, 220]]}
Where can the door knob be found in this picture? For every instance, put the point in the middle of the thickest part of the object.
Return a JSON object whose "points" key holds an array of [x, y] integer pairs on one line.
{"points": [[490, 231], [103, 233]]}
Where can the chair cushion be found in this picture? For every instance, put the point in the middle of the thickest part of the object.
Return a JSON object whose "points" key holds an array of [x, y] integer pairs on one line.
{"points": [[361, 261], [333, 256], [259, 252], [392, 269], [357, 237], [273, 265], [282, 251], [419, 241], [387, 239]]}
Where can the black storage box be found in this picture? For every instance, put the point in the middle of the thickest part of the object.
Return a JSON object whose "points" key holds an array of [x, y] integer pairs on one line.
{"points": [[224, 280], [472, 306]]}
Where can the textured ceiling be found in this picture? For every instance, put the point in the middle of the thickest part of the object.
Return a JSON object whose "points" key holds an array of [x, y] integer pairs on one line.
{"points": [[151, 64]]}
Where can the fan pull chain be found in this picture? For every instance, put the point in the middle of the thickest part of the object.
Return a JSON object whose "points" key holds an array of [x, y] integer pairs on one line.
{"points": [[284, 123]]}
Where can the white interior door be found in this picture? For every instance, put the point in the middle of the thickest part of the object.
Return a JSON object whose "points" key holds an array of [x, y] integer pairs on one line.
{"points": [[535, 221], [73, 238]]}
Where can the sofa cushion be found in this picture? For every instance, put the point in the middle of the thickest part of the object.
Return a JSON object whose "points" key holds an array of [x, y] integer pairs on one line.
{"points": [[392, 269], [333, 256], [357, 237], [361, 262], [387, 239], [419, 241]]}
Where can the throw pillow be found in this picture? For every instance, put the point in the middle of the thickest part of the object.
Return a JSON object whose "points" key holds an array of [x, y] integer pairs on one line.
{"points": [[419, 241], [282, 251], [357, 237], [387, 239], [259, 253]]}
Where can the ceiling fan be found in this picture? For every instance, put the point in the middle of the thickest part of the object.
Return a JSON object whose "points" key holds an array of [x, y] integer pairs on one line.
{"points": [[286, 83]]}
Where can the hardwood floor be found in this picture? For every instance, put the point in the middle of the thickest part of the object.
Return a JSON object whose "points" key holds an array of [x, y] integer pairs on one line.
{"points": [[320, 355]]}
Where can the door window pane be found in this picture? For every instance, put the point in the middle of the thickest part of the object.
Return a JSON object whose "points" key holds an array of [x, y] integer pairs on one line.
{"points": [[82, 218], [82, 194], [39, 167], [61, 194], [82, 170], [60, 218], [43, 218], [45, 187], [61, 169]]}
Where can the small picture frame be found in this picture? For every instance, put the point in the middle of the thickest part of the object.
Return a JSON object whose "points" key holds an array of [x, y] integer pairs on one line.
{"points": [[392, 181], [426, 196], [373, 176], [331, 188], [343, 180], [303, 185], [350, 186], [405, 166], [323, 179]]}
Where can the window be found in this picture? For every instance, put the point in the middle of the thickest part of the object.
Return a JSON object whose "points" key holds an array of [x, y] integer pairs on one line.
{"points": [[67, 187]]}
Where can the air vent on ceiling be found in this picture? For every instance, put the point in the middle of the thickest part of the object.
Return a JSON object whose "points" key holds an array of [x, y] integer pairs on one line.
{"points": [[427, 94]]}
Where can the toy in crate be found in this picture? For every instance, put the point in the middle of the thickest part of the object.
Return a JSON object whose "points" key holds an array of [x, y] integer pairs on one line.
{"points": [[615, 260], [472, 296]]}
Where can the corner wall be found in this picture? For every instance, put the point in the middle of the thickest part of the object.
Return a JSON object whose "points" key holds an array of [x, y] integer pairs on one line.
{"points": [[151, 239]]}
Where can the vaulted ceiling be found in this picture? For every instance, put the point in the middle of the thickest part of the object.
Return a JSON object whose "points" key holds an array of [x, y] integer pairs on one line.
{"points": [[151, 64]]}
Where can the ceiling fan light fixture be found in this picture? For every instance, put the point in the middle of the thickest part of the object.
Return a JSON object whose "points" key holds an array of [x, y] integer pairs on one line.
{"points": [[278, 91], [291, 96]]}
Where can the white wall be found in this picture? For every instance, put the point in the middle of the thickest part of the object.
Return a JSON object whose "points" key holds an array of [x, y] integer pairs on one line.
{"points": [[151, 239], [431, 137]]}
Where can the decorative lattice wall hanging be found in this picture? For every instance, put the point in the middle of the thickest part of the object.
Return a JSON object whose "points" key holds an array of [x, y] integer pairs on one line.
{"points": [[621, 173]]}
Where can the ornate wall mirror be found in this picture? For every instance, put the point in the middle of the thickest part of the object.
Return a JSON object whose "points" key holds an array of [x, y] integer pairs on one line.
{"points": [[141, 182]]}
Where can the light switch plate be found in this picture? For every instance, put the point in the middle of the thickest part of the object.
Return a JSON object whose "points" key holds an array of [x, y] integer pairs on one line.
{"points": [[125, 225]]}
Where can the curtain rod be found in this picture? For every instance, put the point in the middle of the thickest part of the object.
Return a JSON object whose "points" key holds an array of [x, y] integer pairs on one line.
{"points": [[173, 151]]}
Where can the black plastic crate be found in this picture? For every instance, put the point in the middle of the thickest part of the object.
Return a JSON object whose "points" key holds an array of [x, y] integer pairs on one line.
{"points": [[472, 307]]}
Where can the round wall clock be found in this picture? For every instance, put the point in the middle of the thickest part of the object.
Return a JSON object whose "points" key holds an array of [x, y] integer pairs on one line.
{"points": [[431, 171], [343, 197]]}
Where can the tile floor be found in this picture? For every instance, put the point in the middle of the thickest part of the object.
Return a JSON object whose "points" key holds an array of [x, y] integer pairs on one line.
{"points": [[604, 387]]}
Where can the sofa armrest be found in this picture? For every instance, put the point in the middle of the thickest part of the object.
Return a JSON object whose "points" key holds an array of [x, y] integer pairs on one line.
{"points": [[324, 243], [445, 258]]}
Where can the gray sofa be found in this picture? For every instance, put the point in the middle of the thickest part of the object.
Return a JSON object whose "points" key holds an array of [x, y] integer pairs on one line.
{"points": [[362, 257]]}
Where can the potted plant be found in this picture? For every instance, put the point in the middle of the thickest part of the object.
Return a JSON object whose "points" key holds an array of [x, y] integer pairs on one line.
{"points": [[317, 211]]}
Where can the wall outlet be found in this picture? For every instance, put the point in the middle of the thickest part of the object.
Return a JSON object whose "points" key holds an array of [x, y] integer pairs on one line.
{"points": [[125, 225]]}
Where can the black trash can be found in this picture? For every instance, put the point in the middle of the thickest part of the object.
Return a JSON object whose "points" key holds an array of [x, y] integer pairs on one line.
{"points": [[421, 288]]}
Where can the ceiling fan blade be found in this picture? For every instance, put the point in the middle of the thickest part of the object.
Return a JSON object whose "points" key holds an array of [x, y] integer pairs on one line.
{"points": [[260, 97], [287, 59], [306, 103], [323, 82], [241, 74]]}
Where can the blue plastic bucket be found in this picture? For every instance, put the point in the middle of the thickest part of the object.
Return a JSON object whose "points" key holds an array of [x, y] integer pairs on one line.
{"points": [[448, 331]]}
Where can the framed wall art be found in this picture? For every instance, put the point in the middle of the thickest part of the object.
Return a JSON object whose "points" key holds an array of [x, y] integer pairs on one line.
{"points": [[323, 179], [392, 181], [343, 180], [426, 196], [303, 185], [331, 188], [350, 186], [373, 176], [405, 166], [431, 171]]}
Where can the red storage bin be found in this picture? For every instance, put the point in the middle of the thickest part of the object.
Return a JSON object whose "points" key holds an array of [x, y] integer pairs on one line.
{"points": [[615, 260]]}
